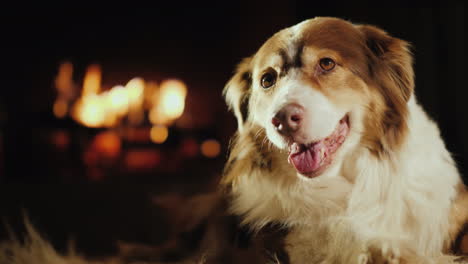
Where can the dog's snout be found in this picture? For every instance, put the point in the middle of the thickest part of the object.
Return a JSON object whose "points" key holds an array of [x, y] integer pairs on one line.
{"points": [[288, 119]]}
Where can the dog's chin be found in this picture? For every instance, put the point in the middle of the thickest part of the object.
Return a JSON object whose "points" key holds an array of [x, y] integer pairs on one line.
{"points": [[311, 159]]}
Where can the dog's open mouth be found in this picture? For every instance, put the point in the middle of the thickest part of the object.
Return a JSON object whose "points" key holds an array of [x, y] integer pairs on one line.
{"points": [[311, 159]]}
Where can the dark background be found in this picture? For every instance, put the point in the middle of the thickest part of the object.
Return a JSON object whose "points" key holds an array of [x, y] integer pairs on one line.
{"points": [[200, 44]]}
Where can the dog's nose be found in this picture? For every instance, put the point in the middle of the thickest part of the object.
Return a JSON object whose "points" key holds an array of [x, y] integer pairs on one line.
{"points": [[288, 119]]}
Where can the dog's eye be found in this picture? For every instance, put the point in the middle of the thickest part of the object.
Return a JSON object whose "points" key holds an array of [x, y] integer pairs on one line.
{"points": [[327, 64], [268, 79]]}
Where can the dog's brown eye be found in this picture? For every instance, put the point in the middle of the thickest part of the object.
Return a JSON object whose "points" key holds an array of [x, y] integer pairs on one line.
{"points": [[268, 79], [327, 64]]}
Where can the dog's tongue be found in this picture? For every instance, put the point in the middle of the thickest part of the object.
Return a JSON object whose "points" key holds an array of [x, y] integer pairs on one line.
{"points": [[307, 159]]}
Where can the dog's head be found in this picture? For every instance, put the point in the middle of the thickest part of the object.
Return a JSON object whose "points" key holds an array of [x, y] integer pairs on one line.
{"points": [[323, 87]]}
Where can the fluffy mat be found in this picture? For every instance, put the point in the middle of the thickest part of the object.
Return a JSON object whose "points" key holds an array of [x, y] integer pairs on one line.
{"points": [[33, 249]]}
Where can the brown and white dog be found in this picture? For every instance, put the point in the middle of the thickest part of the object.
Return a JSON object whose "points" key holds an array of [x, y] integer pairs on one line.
{"points": [[333, 145]]}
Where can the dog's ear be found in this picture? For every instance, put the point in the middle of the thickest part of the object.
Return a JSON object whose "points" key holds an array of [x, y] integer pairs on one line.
{"points": [[237, 92], [391, 72], [390, 62]]}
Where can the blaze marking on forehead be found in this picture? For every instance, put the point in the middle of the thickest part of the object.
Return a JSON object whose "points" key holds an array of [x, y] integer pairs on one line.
{"points": [[291, 59], [342, 38], [332, 34]]}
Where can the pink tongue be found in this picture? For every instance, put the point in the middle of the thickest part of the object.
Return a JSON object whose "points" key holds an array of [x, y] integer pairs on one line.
{"points": [[309, 159]]}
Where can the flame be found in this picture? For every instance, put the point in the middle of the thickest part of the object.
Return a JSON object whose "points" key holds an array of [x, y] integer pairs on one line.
{"points": [[135, 89], [63, 81], [172, 99], [64, 86], [92, 81], [105, 109], [171, 102], [60, 108], [102, 110], [117, 100], [90, 112]]}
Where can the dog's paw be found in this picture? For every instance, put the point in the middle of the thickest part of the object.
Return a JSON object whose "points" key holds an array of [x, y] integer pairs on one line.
{"points": [[363, 258], [386, 253], [391, 253]]}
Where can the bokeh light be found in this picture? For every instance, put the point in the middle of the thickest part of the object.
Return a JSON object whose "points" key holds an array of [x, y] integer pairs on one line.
{"points": [[210, 148], [159, 134]]}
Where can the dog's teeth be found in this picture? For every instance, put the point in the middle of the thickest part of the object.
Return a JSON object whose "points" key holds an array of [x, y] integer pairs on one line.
{"points": [[294, 148]]}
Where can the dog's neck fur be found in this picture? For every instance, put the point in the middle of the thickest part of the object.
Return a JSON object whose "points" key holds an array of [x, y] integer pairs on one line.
{"points": [[376, 195], [391, 197]]}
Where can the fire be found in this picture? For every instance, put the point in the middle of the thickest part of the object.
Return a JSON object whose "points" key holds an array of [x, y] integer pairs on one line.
{"points": [[173, 94], [165, 103], [105, 109], [89, 109], [92, 81], [135, 89], [90, 112], [171, 102], [60, 108], [63, 81], [64, 85], [117, 100]]}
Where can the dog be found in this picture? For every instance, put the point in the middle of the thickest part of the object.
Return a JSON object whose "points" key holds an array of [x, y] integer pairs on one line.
{"points": [[333, 146]]}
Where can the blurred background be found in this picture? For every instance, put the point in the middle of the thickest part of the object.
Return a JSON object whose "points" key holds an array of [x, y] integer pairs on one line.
{"points": [[106, 107]]}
